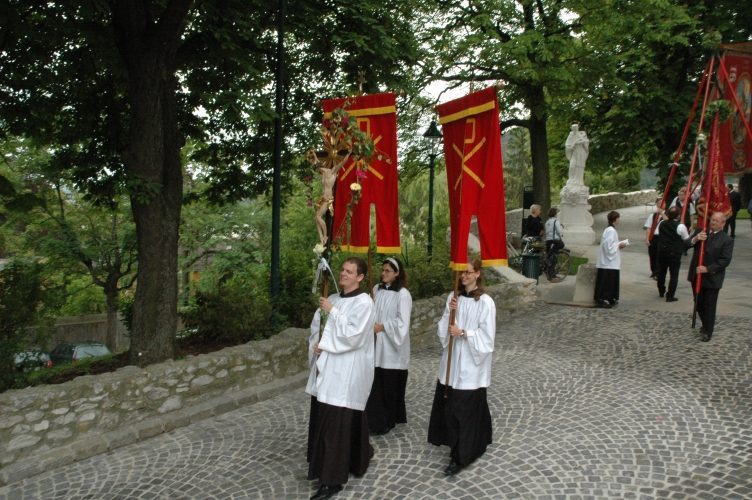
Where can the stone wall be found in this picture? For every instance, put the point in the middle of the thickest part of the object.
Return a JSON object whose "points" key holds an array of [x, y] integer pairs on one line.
{"points": [[47, 426], [614, 201]]}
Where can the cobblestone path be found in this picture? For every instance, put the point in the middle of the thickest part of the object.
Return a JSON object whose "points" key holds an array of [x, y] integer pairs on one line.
{"points": [[586, 403]]}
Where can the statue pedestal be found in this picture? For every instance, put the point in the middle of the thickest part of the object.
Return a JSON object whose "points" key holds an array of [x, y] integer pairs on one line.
{"points": [[575, 216]]}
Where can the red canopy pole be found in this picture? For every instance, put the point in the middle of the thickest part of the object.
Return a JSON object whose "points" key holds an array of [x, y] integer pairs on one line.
{"points": [[699, 131], [704, 81], [706, 191]]}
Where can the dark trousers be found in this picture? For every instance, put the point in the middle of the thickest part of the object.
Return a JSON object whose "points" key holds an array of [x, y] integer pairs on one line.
{"points": [[730, 223], [707, 300], [653, 255], [668, 262], [552, 249]]}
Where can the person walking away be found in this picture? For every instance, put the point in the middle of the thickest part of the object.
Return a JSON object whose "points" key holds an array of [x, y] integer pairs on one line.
{"points": [[460, 417], [673, 242], [651, 224], [608, 264], [719, 247], [690, 214], [338, 429], [533, 223], [736, 204], [393, 307], [554, 242]]}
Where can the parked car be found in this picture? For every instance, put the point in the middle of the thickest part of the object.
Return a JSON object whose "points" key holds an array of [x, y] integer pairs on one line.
{"points": [[31, 359], [68, 352]]}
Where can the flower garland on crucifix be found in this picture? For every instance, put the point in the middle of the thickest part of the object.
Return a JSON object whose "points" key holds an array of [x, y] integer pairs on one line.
{"points": [[342, 140]]}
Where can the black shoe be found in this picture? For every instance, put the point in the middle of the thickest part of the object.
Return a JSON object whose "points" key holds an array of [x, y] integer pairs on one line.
{"points": [[661, 294], [705, 337], [613, 302], [604, 304], [452, 469], [382, 432], [671, 299], [326, 491]]}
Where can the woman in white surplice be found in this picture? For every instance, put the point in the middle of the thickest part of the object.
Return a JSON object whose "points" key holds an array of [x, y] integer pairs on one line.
{"points": [[460, 417], [393, 307]]}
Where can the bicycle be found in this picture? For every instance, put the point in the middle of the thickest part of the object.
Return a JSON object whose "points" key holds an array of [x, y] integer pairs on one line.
{"points": [[555, 272]]}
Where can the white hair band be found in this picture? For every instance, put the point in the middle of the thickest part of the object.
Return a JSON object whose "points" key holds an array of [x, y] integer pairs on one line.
{"points": [[394, 262]]}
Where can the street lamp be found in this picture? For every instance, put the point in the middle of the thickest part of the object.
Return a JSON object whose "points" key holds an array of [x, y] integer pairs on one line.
{"points": [[433, 138]]}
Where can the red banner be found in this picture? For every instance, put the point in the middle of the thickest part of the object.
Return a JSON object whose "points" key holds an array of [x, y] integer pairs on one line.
{"points": [[377, 116], [715, 194], [472, 149], [735, 141]]}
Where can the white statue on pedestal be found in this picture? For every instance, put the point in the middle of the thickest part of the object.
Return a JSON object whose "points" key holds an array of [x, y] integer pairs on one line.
{"points": [[575, 209], [577, 149]]}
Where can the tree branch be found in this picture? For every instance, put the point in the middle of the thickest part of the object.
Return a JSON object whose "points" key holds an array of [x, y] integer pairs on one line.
{"points": [[515, 122]]}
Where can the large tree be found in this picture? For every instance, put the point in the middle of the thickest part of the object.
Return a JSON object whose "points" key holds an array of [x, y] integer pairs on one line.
{"points": [[117, 87], [655, 54], [530, 47]]}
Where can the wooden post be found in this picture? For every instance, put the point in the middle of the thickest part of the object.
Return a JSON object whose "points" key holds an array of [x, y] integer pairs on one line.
{"points": [[452, 319]]}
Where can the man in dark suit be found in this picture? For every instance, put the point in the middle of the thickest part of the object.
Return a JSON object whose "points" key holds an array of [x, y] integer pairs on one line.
{"points": [[671, 244], [718, 250], [736, 204]]}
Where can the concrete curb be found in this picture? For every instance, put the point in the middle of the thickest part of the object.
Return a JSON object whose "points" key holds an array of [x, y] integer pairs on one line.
{"points": [[88, 447]]}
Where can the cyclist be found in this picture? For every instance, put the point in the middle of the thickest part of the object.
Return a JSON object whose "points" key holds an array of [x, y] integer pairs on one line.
{"points": [[554, 243]]}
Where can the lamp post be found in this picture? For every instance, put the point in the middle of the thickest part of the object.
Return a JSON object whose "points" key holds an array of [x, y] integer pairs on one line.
{"points": [[433, 137]]}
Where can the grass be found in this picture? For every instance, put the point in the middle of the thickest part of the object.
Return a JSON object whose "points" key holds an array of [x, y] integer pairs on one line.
{"points": [[575, 263]]}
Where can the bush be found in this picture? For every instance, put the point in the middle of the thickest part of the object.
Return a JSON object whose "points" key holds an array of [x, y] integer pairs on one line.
{"points": [[24, 302], [233, 313], [297, 302]]}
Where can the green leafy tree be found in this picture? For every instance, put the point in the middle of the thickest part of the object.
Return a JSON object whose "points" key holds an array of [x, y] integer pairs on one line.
{"points": [[531, 47], [635, 113], [117, 88], [78, 236]]}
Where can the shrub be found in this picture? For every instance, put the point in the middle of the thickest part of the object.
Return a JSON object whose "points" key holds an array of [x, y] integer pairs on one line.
{"points": [[25, 301], [235, 312]]}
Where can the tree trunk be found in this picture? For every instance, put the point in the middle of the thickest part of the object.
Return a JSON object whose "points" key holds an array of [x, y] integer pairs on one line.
{"points": [[536, 103], [156, 210], [152, 161]]}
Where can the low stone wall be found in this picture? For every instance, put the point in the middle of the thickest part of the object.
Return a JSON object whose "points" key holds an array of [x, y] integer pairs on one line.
{"points": [[614, 201], [47, 426]]}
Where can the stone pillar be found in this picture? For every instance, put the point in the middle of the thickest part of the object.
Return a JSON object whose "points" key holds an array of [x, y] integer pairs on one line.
{"points": [[575, 216]]}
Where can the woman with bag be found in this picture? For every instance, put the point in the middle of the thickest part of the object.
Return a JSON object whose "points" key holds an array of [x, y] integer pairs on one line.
{"points": [[554, 242]]}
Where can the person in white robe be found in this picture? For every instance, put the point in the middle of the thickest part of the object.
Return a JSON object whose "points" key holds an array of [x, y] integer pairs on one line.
{"points": [[460, 417], [393, 308], [608, 264], [339, 382]]}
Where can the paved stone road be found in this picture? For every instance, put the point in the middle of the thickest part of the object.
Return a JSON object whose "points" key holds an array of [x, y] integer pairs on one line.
{"points": [[586, 403]]}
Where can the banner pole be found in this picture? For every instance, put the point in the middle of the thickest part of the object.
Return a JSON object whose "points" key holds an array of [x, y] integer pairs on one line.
{"points": [[452, 320]]}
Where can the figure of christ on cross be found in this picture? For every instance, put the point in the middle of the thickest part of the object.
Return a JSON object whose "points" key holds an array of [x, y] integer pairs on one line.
{"points": [[328, 171]]}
